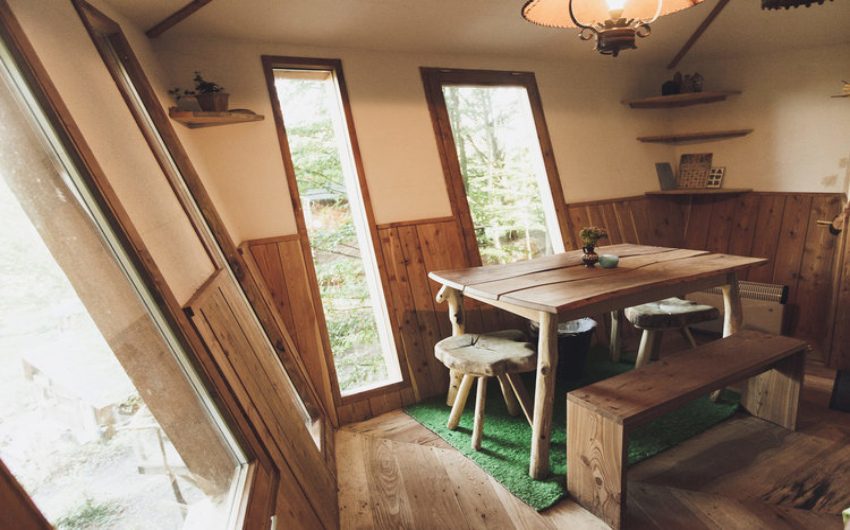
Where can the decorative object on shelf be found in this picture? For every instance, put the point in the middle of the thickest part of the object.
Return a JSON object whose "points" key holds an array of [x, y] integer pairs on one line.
{"points": [[673, 86], [666, 177], [715, 177], [615, 24], [694, 170], [845, 90], [590, 236], [609, 261], [787, 4], [210, 96]]}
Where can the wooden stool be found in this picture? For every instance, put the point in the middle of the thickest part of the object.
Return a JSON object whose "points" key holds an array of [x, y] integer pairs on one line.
{"points": [[671, 313], [502, 354]]}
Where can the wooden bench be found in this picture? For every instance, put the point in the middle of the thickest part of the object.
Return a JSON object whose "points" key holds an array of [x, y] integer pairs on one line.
{"points": [[601, 416]]}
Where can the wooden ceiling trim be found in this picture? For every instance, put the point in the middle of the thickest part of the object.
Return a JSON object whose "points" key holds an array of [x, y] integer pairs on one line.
{"points": [[697, 34], [175, 18]]}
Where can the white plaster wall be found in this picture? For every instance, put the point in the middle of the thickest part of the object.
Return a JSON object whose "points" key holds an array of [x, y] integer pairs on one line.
{"points": [[593, 135], [801, 138], [75, 67]]}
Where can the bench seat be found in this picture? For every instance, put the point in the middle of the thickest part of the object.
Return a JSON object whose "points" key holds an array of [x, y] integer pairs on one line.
{"points": [[600, 416]]}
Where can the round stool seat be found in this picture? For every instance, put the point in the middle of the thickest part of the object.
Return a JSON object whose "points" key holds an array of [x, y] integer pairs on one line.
{"points": [[670, 313], [487, 354]]}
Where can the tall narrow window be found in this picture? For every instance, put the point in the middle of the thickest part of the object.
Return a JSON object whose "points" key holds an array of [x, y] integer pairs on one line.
{"points": [[336, 223], [103, 419], [504, 189]]}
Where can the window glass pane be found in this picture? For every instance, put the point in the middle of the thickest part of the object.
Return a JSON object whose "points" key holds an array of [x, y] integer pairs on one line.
{"points": [[102, 419], [503, 172], [349, 284]]}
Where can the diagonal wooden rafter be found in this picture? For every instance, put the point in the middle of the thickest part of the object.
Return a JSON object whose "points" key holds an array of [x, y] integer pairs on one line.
{"points": [[698, 33], [175, 18]]}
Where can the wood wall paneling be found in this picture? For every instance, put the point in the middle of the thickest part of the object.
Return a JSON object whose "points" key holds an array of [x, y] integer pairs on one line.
{"points": [[779, 226]]}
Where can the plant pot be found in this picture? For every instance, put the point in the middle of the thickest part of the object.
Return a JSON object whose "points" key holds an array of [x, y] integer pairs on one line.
{"points": [[590, 258], [213, 101]]}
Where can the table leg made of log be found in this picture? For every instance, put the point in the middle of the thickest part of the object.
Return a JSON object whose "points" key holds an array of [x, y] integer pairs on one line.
{"points": [[733, 313], [544, 395]]}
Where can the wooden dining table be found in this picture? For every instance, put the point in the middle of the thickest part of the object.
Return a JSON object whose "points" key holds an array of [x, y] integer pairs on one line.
{"points": [[559, 287]]}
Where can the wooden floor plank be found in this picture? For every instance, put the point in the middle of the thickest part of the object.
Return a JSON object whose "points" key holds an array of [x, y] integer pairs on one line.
{"points": [[355, 507], [743, 473], [429, 488], [474, 492]]}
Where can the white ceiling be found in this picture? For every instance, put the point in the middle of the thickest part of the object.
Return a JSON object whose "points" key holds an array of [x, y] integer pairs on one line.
{"points": [[490, 27]]}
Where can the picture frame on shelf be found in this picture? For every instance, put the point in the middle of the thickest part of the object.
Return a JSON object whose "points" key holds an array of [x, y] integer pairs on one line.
{"points": [[666, 177], [715, 178], [694, 169]]}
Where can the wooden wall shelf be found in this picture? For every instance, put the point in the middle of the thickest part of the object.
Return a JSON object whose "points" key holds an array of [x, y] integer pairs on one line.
{"points": [[682, 138], [698, 191], [199, 119], [680, 100]]}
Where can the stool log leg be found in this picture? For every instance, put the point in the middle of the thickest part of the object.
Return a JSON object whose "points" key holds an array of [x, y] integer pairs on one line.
{"points": [[544, 395], [522, 396], [460, 402], [456, 317], [650, 343], [480, 402], [508, 394], [596, 453], [686, 333]]}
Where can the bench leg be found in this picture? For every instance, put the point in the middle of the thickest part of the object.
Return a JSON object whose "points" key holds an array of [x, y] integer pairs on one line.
{"points": [[508, 394], [596, 463], [460, 401], [774, 395], [480, 402]]}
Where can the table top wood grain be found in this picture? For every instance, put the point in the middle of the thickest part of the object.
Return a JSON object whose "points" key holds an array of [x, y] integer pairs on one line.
{"points": [[561, 283]]}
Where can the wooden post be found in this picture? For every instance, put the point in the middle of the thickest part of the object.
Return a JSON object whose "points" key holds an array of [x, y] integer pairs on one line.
{"points": [[456, 317], [596, 453], [616, 347], [480, 401], [840, 399], [547, 364]]}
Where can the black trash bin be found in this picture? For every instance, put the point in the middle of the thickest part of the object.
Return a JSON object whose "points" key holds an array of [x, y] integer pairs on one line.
{"points": [[573, 346]]}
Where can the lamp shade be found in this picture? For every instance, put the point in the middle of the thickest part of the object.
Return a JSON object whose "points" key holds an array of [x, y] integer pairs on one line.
{"points": [[556, 13]]}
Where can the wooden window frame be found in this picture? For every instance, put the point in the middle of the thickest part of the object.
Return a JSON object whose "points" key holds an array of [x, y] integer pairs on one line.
{"points": [[195, 198], [270, 63], [257, 503], [434, 79]]}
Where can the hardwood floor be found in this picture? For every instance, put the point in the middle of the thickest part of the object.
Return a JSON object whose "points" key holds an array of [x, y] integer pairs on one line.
{"points": [[743, 474]]}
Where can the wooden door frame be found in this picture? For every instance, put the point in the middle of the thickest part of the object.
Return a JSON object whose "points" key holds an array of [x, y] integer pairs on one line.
{"points": [[262, 476], [270, 63], [434, 79]]}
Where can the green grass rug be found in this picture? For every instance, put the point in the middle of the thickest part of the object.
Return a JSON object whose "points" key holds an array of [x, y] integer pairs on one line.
{"points": [[506, 442]]}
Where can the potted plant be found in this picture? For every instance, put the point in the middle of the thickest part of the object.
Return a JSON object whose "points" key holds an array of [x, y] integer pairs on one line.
{"points": [[590, 236], [210, 96]]}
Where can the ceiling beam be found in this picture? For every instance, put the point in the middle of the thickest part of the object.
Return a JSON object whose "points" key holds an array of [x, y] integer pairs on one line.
{"points": [[697, 34], [175, 18]]}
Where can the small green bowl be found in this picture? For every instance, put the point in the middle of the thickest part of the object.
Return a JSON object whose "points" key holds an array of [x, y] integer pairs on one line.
{"points": [[608, 261]]}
